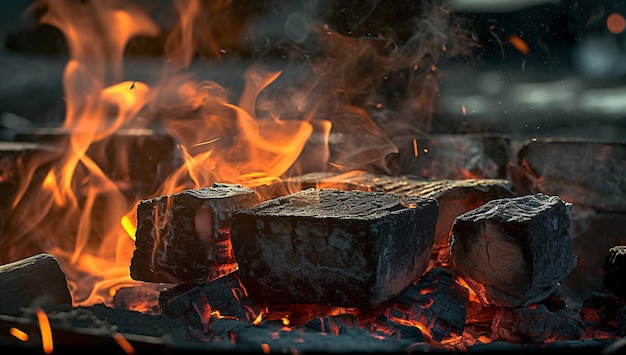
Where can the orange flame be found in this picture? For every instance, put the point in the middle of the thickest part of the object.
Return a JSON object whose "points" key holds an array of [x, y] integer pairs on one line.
{"points": [[519, 44], [19, 334], [70, 205], [124, 343]]}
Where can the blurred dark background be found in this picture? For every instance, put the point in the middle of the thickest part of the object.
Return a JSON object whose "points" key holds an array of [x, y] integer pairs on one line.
{"points": [[536, 68]]}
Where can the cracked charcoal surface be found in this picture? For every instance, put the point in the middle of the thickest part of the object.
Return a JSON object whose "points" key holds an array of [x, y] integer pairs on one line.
{"points": [[514, 251]]}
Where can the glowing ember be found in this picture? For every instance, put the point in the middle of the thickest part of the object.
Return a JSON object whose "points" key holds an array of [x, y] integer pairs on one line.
{"points": [[519, 44], [46, 332], [124, 344]]}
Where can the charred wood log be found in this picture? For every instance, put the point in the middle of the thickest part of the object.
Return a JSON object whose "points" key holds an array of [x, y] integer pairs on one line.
{"points": [[199, 305], [585, 173], [33, 282], [615, 271], [455, 197], [333, 247], [186, 236], [514, 252], [436, 304]]}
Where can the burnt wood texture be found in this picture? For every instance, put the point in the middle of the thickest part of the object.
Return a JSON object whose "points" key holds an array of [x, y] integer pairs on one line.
{"points": [[515, 251], [615, 271], [333, 247]]}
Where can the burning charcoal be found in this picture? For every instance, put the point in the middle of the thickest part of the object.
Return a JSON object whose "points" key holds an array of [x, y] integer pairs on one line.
{"points": [[535, 324], [455, 197], [200, 305], [186, 236], [34, 282], [585, 173], [220, 328], [453, 156], [514, 252], [17, 160], [621, 321], [333, 247], [436, 304], [615, 271], [600, 311], [299, 314]]}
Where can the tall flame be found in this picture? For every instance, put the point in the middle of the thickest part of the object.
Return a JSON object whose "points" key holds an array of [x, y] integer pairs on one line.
{"points": [[69, 203]]}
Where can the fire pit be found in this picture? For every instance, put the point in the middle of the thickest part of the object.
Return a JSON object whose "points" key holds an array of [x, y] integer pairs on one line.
{"points": [[247, 176]]}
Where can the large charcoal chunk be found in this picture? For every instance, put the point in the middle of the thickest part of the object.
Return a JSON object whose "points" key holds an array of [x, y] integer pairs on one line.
{"points": [[585, 173], [455, 197], [186, 236], [514, 251], [333, 247]]}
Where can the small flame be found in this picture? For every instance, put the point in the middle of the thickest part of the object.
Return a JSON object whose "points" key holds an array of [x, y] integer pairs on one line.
{"points": [[19, 334], [46, 331]]}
